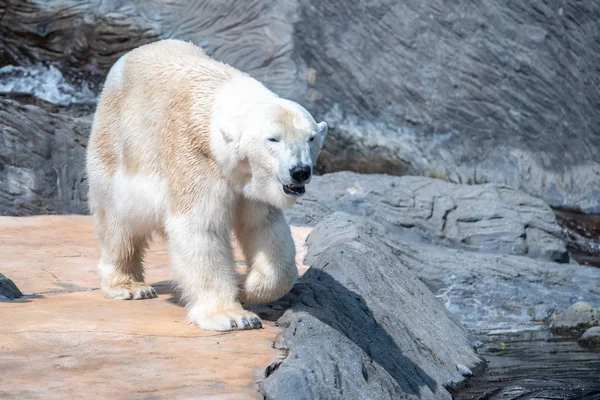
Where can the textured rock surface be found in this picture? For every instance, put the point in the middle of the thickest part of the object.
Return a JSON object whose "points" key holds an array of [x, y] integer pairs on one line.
{"points": [[486, 218], [85, 37], [530, 366], [42, 159], [360, 325], [476, 91], [8, 289], [489, 293]]}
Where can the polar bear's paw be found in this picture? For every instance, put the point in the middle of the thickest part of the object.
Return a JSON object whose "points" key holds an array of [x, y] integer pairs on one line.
{"points": [[144, 292], [226, 320], [129, 292]]}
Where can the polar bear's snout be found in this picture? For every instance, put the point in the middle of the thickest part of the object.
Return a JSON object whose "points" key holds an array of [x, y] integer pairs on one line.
{"points": [[300, 173]]}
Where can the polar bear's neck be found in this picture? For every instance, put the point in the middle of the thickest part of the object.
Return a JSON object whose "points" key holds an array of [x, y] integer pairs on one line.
{"points": [[235, 102]]}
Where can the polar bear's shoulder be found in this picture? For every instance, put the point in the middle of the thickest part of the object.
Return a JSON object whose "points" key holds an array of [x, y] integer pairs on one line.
{"points": [[168, 49], [168, 63]]}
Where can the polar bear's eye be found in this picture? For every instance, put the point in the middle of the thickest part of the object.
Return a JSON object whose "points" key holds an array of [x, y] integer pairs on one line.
{"points": [[311, 139], [274, 140]]}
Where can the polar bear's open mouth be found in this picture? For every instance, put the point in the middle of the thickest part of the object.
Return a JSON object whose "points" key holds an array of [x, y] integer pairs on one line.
{"points": [[294, 190]]}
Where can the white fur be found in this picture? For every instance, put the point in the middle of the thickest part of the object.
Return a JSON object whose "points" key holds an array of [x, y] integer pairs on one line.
{"points": [[140, 199], [246, 199], [242, 121], [114, 80]]}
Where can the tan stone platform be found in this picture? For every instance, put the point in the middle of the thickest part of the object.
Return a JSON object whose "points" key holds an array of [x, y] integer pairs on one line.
{"points": [[68, 341]]}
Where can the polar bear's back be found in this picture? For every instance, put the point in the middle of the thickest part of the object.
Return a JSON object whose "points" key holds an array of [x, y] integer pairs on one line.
{"points": [[146, 103]]}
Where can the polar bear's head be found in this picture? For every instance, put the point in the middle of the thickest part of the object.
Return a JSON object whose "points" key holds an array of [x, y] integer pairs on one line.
{"points": [[281, 143], [273, 151]]}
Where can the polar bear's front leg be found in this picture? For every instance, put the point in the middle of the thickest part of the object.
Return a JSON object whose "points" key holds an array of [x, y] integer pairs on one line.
{"points": [[202, 260], [269, 250]]}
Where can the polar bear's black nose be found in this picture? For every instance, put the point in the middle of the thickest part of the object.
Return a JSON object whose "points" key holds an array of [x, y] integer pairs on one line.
{"points": [[300, 173]]}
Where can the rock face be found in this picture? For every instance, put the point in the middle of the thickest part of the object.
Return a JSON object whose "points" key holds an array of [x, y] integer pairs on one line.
{"points": [[42, 160], [485, 218], [472, 91], [477, 91], [8, 289], [361, 325], [85, 37]]}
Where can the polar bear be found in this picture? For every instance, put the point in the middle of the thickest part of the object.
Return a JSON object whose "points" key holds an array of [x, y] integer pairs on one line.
{"points": [[194, 149]]}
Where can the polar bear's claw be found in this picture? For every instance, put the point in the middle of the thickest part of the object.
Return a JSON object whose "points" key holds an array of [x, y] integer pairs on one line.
{"points": [[256, 322], [251, 323], [144, 292]]}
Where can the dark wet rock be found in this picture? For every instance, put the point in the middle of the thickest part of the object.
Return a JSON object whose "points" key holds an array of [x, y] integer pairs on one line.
{"points": [[361, 325], [488, 293], [42, 159], [532, 365], [591, 338], [576, 318], [8, 289], [484, 218], [471, 92], [583, 235]]}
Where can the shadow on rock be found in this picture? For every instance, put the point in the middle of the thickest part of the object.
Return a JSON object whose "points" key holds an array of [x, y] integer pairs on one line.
{"points": [[358, 324], [324, 298]]}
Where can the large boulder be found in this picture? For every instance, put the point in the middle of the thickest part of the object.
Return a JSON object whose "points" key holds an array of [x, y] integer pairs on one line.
{"points": [[576, 318], [474, 92], [486, 218], [590, 338], [488, 293], [361, 325]]}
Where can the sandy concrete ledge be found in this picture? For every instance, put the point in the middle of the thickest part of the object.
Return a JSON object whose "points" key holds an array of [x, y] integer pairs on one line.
{"points": [[67, 341]]}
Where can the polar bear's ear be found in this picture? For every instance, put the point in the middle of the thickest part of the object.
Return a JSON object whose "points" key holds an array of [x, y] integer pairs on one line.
{"points": [[226, 135], [323, 129]]}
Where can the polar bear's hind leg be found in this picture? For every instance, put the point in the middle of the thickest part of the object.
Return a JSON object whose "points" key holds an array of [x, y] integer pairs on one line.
{"points": [[121, 260]]}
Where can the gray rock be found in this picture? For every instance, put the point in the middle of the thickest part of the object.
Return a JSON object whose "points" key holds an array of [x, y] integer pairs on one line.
{"points": [[477, 91], [42, 160], [8, 289], [474, 92], [486, 218], [488, 293], [580, 315], [85, 37], [361, 325], [590, 338]]}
